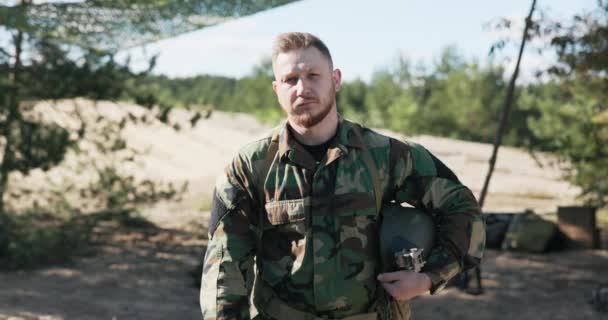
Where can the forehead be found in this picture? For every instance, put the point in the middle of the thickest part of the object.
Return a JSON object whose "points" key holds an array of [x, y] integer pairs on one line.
{"points": [[300, 60]]}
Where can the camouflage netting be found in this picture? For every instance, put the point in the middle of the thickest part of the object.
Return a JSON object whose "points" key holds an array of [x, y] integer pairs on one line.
{"points": [[97, 24]]}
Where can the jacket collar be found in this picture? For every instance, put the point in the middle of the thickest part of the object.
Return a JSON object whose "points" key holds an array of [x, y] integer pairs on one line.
{"points": [[346, 138]]}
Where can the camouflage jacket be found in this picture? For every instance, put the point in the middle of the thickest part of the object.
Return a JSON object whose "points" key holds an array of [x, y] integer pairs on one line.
{"points": [[312, 227]]}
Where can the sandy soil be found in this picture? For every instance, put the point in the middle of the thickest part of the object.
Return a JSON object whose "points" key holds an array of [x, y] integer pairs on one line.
{"points": [[195, 155], [146, 273]]}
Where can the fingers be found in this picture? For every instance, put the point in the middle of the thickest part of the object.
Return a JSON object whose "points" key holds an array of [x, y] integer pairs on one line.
{"points": [[404, 285], [390, 276]]}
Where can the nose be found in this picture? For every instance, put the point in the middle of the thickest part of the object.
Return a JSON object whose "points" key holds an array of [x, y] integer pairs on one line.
{"points": [[302, 87]]}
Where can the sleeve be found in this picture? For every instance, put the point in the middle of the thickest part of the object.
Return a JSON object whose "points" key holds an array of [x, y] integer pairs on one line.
{"points": [[425, 182], [228, 264]]}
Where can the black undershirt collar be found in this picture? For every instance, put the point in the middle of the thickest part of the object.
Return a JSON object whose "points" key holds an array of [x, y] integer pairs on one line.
{"points": [[318, 151]]}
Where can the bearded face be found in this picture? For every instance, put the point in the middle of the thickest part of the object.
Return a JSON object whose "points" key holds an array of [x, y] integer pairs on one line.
{"points": [[305, 86], [309, 114]]}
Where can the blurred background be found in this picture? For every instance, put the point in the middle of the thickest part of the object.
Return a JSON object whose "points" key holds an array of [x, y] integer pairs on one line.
{"points": [[117, 116]]}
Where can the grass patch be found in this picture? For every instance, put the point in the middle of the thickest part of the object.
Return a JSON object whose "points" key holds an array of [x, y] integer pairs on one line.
{"points": [[40, 239], [35, 239]]}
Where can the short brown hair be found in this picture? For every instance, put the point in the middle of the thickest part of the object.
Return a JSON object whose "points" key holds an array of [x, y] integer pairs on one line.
{"points": [[299, 40]]}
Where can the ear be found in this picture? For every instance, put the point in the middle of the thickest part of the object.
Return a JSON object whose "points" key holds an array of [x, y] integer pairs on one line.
{"points": [[274, 86], [337, 78]]}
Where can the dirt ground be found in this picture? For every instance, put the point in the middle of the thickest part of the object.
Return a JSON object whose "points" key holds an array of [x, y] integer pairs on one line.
{"points": [[149, 274], [132, 273], [525, 286]]}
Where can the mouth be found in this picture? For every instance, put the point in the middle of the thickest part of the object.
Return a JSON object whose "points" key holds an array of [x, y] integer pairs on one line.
{"points": [[305, 103]]}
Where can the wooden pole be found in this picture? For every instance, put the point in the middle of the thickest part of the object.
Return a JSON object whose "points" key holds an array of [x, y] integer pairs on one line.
{"points": [[506, 108]]}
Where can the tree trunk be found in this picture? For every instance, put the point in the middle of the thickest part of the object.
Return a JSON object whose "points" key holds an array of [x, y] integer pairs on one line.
{"points": [[506, 109], [13, 115]]}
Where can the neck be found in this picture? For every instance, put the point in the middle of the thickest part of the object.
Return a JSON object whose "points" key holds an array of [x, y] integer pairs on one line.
{"points": [[319, 133]]}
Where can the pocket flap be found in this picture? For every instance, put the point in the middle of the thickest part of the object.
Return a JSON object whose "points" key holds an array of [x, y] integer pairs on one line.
{"points": [[285, 211]]}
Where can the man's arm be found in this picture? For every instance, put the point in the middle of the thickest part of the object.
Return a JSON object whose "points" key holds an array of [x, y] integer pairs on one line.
{"points": [[228, 267], [425, 182]]}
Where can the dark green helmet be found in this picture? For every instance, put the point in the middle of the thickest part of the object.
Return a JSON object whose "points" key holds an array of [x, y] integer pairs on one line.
{"points": [[406, 237]]}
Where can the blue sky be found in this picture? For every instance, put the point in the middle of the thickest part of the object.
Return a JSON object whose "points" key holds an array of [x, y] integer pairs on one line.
{"points": [[363, 36]]}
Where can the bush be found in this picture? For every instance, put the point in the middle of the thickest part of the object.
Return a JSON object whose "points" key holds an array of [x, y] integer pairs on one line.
{"points": [[37, 239]]}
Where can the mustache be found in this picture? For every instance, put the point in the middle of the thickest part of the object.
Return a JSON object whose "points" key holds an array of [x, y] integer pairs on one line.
{"points": [[306, 100]]}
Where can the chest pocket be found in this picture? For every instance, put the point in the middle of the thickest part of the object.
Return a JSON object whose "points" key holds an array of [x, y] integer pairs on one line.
{"points": [[286, 211], [284, 238]]}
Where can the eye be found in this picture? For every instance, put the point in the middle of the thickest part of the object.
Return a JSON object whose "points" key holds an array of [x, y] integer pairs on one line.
{"points": [[290, 80]]}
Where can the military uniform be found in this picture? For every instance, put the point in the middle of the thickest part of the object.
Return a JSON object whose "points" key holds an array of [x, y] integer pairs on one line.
{"points": [[303, 235]]}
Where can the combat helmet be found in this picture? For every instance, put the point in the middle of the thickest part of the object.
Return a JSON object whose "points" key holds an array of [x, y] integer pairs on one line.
{"points": [[406, 237]]}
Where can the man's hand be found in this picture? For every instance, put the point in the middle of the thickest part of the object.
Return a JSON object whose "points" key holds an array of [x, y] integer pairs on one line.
{"points": [[405, 285]]}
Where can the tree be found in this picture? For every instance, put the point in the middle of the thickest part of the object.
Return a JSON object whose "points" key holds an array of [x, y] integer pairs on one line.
{"points": [[572, 107], [253, 94], [351, 100], [380, 95], [92, 30], [574, 130]]}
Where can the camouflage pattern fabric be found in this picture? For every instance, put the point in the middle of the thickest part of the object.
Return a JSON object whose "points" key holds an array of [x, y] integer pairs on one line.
{"points": [[310, 228]]}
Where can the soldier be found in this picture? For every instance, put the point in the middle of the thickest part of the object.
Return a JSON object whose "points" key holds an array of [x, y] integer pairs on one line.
{"points": [[293, 232]]}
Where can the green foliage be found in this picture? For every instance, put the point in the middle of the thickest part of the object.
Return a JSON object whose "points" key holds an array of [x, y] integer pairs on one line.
{"points": [[455, 98], [38, 146], [251, 94], [254, 94], [38, 239], [53, 75], [381, 94], [49, 74], [580, 44], [35, 239], [351, 100], [195, 92], [119, 191], [571, 108], [566, 127]]}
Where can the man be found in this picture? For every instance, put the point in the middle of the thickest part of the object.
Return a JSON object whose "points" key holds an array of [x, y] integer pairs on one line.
{"points": [[293, 229]]}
